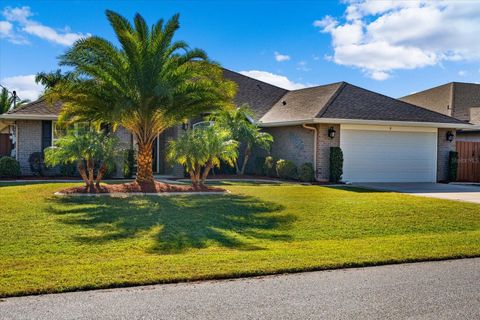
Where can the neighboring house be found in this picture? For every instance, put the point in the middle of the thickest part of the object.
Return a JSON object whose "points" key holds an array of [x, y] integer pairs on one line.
{"points": [[383, 139], [456, 99]]}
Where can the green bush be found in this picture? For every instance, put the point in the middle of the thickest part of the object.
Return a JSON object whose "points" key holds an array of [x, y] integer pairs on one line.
{"points": [[9, 167], [129, 164], [286, 169], [259, 166], [452, 166], [306, 172], [67, 170], [336, 164], [37, 165], [269, 167]]}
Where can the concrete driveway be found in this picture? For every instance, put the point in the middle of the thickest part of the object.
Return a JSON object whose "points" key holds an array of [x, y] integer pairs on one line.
{"points": [[468, 193]]}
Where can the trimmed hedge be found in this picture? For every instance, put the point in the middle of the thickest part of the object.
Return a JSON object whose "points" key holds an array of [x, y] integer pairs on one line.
{"points": [[9, 167], [259, 166], [452, 166], [306, 172], [336, 164], [286, 169]]}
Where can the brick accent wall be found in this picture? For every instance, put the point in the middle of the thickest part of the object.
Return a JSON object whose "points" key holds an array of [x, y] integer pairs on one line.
{"points": [[444, 148], [28, 141], [293, 143], [323, 149]]}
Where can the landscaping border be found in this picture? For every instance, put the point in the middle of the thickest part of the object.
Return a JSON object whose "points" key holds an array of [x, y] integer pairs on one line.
{"points": [[134, 194]]}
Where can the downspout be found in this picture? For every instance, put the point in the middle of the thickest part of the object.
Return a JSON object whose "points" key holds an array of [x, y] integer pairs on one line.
{"points": [[314, 129]]}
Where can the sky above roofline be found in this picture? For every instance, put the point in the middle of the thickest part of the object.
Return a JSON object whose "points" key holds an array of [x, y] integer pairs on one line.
{"points": [[392, 47]]}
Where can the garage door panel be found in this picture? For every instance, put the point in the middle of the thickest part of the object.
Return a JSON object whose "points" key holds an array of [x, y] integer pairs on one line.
{"points": [[388, 156]]}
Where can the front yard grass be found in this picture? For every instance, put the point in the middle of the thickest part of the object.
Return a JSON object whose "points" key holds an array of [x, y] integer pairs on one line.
{"points": [[51, 244]]}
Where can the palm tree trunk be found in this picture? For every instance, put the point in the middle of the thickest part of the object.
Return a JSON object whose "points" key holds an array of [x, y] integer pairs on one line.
{"points": [[90, 168], [207, 169], [144, 162], [245, 160], [82, 172], [101, 172]]}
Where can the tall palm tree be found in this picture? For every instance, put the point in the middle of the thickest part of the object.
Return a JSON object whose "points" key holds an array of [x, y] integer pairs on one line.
{"points": [[7, 101], [148, 84]]}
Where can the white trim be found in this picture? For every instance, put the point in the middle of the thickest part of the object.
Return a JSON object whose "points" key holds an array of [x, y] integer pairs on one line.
{"points": [[366, 122], [28, 117], [436, 156], [16, 142]]}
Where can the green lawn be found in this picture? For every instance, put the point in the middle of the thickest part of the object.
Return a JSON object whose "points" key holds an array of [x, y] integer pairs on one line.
{"points": [[51, 244]]}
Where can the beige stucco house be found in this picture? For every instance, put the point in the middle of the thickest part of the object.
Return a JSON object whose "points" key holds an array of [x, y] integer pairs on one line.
{"points": [[383, 139]]}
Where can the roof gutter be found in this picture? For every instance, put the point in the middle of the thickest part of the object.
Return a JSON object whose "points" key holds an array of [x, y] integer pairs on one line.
{"points": [[367, 122], [14, 116]]}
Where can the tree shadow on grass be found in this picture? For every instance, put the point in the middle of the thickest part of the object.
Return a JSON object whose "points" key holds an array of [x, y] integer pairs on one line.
{"points": [[177, 223]]}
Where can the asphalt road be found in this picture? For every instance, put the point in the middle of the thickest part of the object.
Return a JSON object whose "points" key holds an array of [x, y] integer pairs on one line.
{"points": [[431, 290]]}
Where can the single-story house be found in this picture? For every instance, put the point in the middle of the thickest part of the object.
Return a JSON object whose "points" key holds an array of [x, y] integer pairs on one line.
{"points": [[383, 139], [456, 99]]}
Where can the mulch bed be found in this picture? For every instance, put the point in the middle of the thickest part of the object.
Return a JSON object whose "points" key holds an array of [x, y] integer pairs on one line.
{"points": [[134, 187]]}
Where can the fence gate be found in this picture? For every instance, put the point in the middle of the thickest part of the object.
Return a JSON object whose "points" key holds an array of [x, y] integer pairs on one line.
{"points": [[468, 161], [5, 145]]}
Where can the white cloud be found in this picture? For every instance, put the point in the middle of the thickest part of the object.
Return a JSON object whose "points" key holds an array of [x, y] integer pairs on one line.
{"points": [[380, 37], [281, 57], [24, 85], [303, 66], [20, 17], [462, 73], [275, 79]]}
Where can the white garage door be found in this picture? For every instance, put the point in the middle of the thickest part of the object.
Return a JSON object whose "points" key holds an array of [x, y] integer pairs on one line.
{"points": [[388, 154]]}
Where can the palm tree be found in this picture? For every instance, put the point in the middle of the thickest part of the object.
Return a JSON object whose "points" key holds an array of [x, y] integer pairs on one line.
{"points": [[84, 148], [7, 101], [51, 79], [201, 149], [148, 84], [244, 131]]}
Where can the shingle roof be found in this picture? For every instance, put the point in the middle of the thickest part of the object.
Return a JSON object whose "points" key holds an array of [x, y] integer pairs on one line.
{"points": [[301, 104], [38, 107], [272, 104], [345, 101], [353, 102], [259, 95]]}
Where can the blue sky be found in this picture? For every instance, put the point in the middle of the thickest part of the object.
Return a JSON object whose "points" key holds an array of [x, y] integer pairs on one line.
{"points": [[394, 48]]}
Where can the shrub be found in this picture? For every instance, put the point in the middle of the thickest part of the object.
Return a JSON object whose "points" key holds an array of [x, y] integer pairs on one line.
{"points": [[306, 172], [129, 164], [259, 166], [269, 167], [37, 164], [452, 166], [286, 169], [67, 170], [336, 164], [9, 167]]}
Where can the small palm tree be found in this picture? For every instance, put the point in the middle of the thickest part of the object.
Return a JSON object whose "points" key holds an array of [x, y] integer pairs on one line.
{"points": [[244, 131], [147, 85], [201, 149], [85, 148], [7, 101]]}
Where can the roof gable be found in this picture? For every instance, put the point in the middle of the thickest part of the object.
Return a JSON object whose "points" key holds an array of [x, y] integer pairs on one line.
{"points": [[302, 104]]}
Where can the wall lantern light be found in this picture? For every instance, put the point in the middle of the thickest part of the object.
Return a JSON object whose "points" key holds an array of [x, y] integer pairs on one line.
{"points": [[450, 136], [331, 133], [185, 126]]}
